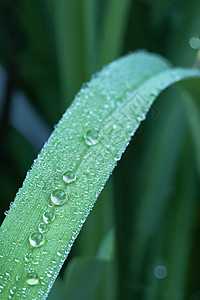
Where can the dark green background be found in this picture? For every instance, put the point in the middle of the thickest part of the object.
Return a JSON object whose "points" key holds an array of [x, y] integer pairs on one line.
{"points": [[48, 49]]}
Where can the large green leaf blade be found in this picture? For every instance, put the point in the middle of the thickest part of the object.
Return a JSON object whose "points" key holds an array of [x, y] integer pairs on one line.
{"points": [[111, 106]]}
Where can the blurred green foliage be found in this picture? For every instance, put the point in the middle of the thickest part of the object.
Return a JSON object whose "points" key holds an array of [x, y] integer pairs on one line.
{"points": [[48, 49]]}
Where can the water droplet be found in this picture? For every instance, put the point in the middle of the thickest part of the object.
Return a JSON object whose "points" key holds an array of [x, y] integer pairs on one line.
{"points": [[194, 43], [117, 156], [32, 279], [152, 96], [42, 227], [48, 216], [160, 272], [59, 197], [11, 291], [36, 239], [35, 261], [91, 137], [27, 257], [140, 117], [69, 176]]}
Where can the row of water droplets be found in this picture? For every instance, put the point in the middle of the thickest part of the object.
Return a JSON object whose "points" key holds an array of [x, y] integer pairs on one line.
{"points": [[58, 197]]}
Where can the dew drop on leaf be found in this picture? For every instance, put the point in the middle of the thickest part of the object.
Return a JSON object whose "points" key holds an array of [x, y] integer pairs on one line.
{"points": [[59, 197], [140, 117], [69, 176], [35, 261], [32, 279], [42, 227], [48, 217], [36, 239], [27, 257], [91, 137]]}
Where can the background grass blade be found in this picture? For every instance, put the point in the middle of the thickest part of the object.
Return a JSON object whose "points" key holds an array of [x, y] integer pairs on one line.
{"points": [[193, 117], [150, 190], [155, 189], [89, 140], [113, 28], [70, 46]]}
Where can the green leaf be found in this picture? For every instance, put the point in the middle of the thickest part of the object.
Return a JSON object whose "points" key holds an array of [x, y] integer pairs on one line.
{"points": [[89, 140], [87, 272], [106, 249]]}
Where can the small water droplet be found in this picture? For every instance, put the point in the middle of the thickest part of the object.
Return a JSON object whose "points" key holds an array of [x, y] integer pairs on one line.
{"points": [[36, 239], [35, 261], [27, 257], [48, 216], [32, 279], [140, 117], [69, 176], [152, 96], [117, 157], [59, 197], [160, 272], [11, 291], [42, 227], [91, 137]]}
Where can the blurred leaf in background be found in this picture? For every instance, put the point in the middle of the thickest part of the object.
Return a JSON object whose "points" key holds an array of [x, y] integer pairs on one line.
{"points": [[48, 50]]}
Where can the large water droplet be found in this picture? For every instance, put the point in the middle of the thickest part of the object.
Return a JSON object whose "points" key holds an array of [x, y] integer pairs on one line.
{"points": [[36, 239], [32, 279], [69, 176], [42, 227], [48, 216], [59, 197], [91, 137]]}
